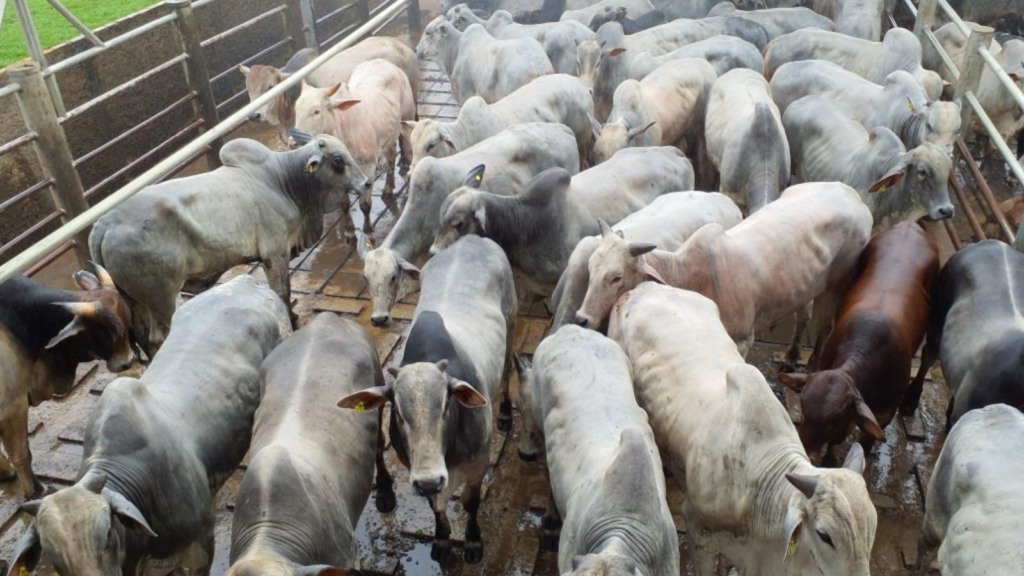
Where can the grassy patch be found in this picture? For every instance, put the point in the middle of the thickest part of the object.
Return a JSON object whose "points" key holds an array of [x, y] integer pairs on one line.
{"points": [[53, 28]]}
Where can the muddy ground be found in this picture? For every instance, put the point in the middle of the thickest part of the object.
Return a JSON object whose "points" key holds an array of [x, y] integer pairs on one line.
{"points": [[328, 278]]}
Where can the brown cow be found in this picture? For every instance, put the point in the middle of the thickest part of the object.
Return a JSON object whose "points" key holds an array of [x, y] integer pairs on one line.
{"points": [[867, 357]]}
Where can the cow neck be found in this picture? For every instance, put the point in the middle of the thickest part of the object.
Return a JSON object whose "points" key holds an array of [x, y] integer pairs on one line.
{"points": [[126, 477], [622, 535], [457, 133], [302, 189], [515, 221], [908, 126], [666, 263], [773, 494], [282, 537], [449, 49]]}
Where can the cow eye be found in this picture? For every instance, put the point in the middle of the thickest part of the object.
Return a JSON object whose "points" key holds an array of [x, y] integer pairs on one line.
{"points": [[825, 538], [458, 225], [338, 161], [616, 280], [321, 143], [394, 277], [431, 146], [316, 112]]}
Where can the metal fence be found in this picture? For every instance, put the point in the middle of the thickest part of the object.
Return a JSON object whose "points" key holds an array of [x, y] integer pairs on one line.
{"points": [[965, 82], [42, 108]]}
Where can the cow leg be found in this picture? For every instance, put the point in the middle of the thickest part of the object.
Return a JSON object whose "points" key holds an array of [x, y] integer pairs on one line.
{"points": [[801, 319], [912, 397], [474, 548], [365, 204], [441, 550], [279, 281], [703, 559], [550, 523], [385, 495], [348, 228], [15, 440], [404, 154], [822, 318], [389, 177], [504, 421]]}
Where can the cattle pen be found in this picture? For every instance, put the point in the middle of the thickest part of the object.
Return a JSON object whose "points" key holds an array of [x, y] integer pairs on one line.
{"points": [[206, 108]]}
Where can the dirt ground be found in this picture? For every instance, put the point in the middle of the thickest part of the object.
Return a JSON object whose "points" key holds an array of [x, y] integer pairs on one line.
{"points": [[328, 278]]}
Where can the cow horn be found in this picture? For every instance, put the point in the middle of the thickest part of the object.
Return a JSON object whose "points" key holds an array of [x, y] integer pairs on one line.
{"points": [[442, 364], [301, 137], [94, 482], [86, 309], [606, 230], [106, 280], [805, 484]]}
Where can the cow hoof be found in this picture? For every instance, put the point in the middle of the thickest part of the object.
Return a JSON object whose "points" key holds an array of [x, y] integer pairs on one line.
{"points": [[441, 551], [908, 409], [473, 552], [527, 456], [386, 501]]}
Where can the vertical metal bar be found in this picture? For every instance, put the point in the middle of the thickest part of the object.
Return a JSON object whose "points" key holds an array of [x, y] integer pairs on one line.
{"points": [[52, 148], [970, 74], [35, 50], [196, 73], [296, 26], [363, 10], [415, 20], [309, 22]]}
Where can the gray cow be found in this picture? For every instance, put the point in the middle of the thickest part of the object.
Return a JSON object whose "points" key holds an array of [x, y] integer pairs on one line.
{"points": [[860, 18], [896, 184], [539, 228], [634, 9], [776, 21], [479, 64], [454, 363], [604, 466], [302, 479], [899, 103], [973, 506], [559, 39], [513, 157], [724, 53], [556, 98], [666, 222], [260, 205], [746, 140], [899, 50], [159, 447]]}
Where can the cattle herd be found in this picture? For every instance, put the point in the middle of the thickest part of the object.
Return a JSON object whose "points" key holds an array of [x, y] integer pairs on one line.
{"points": [[568, 176]]}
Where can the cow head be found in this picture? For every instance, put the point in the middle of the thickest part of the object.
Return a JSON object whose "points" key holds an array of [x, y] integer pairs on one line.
{"points": [[317, 110], [421, 396], [831, 405], [331, 163], [461, 17], [388, 276], [604, 565], [275, 566], [259, 79], [81, 530], [938, 122], [428, 138], [830, 519], [461, 212], [591, 54], [615, 136], [439, 31], [102, 316], [916, 187], [616, 267]]}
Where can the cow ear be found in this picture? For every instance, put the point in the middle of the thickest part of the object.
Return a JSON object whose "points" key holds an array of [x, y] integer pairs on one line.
{"points": [[244, 70], [867, 421], [855, 459], [363, 244], [129, 515], [369, 399], [652, 274], [346, 103], [794, 380], [615, 51], [606, 230], [889, 180], [481, 218], [467, 395], [448, 141], [635, 132], [409, 268], [910, 105], [595, 126], [475, 177], [637, 249], [792, 526], [393, 370], [26, 552], [86, 280], [74, 327]]}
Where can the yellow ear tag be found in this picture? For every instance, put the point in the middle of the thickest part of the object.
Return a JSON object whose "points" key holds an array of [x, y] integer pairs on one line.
{"points": [[910, 105], [310, 168], [477, 178], [881, 188], [23, 572], [791, 548], [360, 407]]}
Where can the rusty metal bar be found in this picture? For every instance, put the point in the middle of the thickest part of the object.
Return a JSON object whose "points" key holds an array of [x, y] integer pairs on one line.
{"points": [[25, 194], [972, 220], [363, 10], [247, 24], [52, 241], [341, 32], [951, 231], [997, 139], [118, 90], [112, 43], [18, 143], [32, 230], [133, 130], [250, 59], [134, 163], [50, 258], [986, 192], [334, 13]]}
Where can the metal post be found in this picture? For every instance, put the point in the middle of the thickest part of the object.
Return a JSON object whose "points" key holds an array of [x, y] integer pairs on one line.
{"points": [[925, 19], [309, 22], [196, 73], [52, 148], [35, 50], [415, 19], [970, 74], [302, 36], [363, 10]]}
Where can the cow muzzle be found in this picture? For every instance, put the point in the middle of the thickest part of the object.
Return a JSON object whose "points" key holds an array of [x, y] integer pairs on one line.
{"points": [[256, 116], [943, 212], [380, 319], [429, 486], [582, 321]]}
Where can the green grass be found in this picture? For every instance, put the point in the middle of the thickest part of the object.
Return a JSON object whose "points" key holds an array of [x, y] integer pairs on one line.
{"points": [[53, 29]]}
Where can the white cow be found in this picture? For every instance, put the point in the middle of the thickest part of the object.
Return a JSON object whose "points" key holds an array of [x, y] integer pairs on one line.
{"points": [[752, 494]]}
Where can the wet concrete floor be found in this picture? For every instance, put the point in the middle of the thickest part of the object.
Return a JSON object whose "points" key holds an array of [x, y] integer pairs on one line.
{"points": [[328, 278]]}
